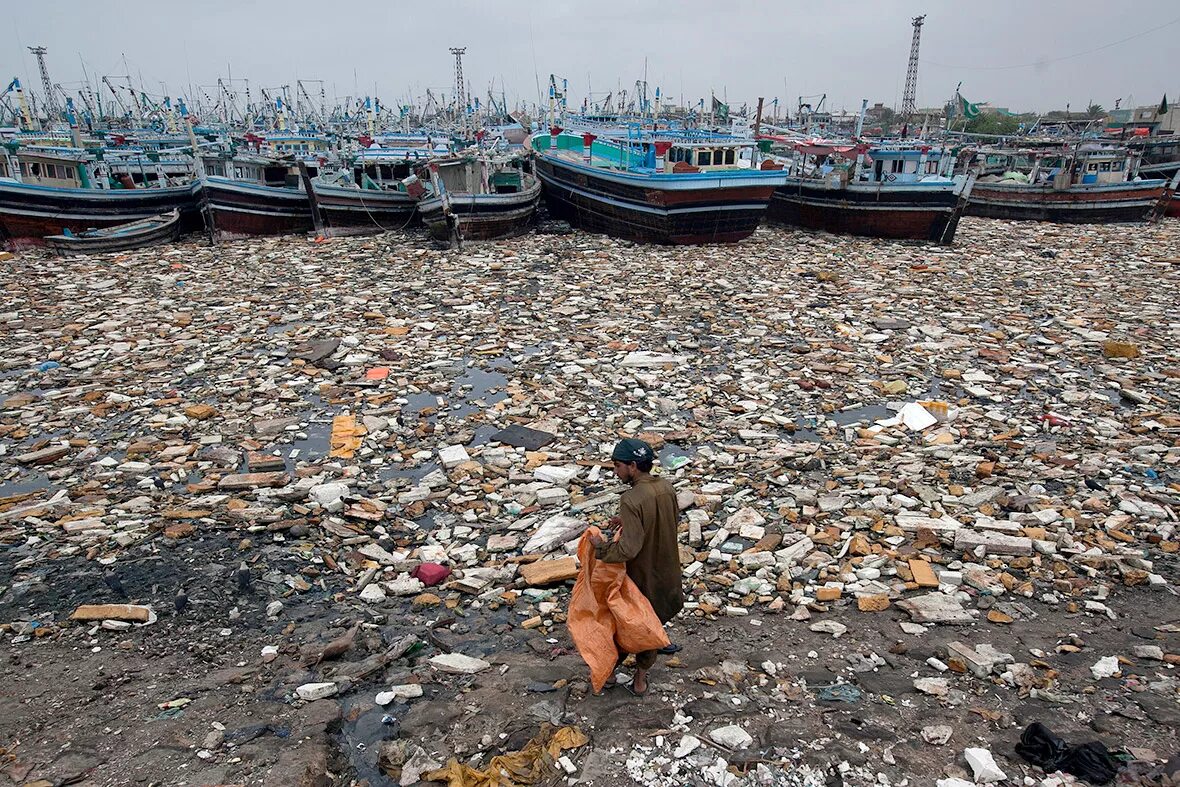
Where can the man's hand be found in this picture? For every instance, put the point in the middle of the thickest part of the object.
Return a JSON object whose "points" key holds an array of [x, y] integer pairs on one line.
{"points": [[614, 521]]}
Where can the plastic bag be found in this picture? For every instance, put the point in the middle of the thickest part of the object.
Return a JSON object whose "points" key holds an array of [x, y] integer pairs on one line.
{"points": [[608, 613], [533, 764], [1089, 761]]}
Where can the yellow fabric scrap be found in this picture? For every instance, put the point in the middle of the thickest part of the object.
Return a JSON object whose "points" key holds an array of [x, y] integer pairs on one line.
{"points": [[531, 765], [346, 437]]}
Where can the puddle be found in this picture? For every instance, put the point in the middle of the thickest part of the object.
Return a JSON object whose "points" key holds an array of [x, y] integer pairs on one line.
{"points": [[417, 402], [314, 447], [483, 435], [285, 327], [1116, 398], [24, 483], [806, 436], [866, 413], [481, 382], [361, 737], [415, 474]]}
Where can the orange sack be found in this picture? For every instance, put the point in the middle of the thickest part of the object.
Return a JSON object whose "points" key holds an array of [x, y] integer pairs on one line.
{"points": [[606, 608]]}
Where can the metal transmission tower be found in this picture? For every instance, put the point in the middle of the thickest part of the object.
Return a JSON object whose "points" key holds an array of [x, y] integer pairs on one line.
{"points": [[460, 89], [909, 99], [50, 101]]}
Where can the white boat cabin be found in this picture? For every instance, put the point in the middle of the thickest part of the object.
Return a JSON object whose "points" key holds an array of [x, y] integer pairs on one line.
{"points": [[704, 156], [865, 163], [1063, 168], [45, 169], [255, 169], [1102, 166]]}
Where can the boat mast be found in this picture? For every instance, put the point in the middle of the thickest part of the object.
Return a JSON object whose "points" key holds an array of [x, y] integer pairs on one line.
{"points": [[860, 119]]}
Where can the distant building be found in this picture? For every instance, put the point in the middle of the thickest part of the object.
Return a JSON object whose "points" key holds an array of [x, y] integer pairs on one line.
{"points": [[934, 112], [987, 108], [1147, 118], [1167, 123]]}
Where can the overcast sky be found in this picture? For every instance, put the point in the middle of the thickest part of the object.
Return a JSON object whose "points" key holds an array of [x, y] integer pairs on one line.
{"points": [[849, 49]]}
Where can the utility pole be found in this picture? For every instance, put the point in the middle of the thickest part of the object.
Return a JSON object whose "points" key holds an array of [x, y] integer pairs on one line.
{"points": [[909, 98], [460, 87], [46, 84]]}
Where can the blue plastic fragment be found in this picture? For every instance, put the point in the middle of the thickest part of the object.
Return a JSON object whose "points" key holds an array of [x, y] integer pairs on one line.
{"points": [[840, 692]]}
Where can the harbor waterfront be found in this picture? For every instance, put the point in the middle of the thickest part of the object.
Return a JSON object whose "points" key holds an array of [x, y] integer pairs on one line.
{"points": [[174, 413], [562, 396]]}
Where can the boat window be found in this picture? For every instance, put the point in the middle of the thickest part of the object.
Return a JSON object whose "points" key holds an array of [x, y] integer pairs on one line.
{"points": [[36, 167], [24, 168], [1116, 166], [69, 172], [1093, 167], [704, 158], [386, 172], [1105, 166], [729, 156]]}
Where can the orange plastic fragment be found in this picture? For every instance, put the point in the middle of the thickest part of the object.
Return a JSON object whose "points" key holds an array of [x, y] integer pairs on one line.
{"points": [[346, 437]]}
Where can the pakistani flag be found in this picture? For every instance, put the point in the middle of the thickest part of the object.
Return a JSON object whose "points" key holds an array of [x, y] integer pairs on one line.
{"points": [[966, 108], [720, 110], [1163, 110]]}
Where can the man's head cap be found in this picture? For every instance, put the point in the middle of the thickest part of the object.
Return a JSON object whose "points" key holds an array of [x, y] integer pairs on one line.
{"points": [[632, 450]]}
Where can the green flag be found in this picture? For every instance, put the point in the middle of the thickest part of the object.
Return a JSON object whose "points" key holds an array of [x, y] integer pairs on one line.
{"points": [[967, 109], [1163, 110], [720, 110]]}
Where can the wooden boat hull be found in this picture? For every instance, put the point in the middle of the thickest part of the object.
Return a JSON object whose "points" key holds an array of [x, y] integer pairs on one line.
{"points": [[1085, 204], [135, 235], [603, 202], [30, 213], [903, 212], [359, 209], [483, 216], [244, 209]]}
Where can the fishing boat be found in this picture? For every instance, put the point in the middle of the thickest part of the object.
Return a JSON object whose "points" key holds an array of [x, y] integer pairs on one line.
{"points": [[675, 189], [1075, 184], [122, 237], [900, 191], [257, 195], [46, 191], [1159, 156], [377, 191], [479, 197]]}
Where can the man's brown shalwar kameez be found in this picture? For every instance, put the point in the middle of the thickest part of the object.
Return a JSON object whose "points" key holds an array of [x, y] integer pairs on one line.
{"points": [[647, 544]]}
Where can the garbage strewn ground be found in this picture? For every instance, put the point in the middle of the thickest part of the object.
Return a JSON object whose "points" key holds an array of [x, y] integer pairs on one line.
{"points": [[301, 513]]}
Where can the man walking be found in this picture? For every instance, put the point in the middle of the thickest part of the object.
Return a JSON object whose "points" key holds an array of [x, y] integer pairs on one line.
{"points": [[647, 541]]}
